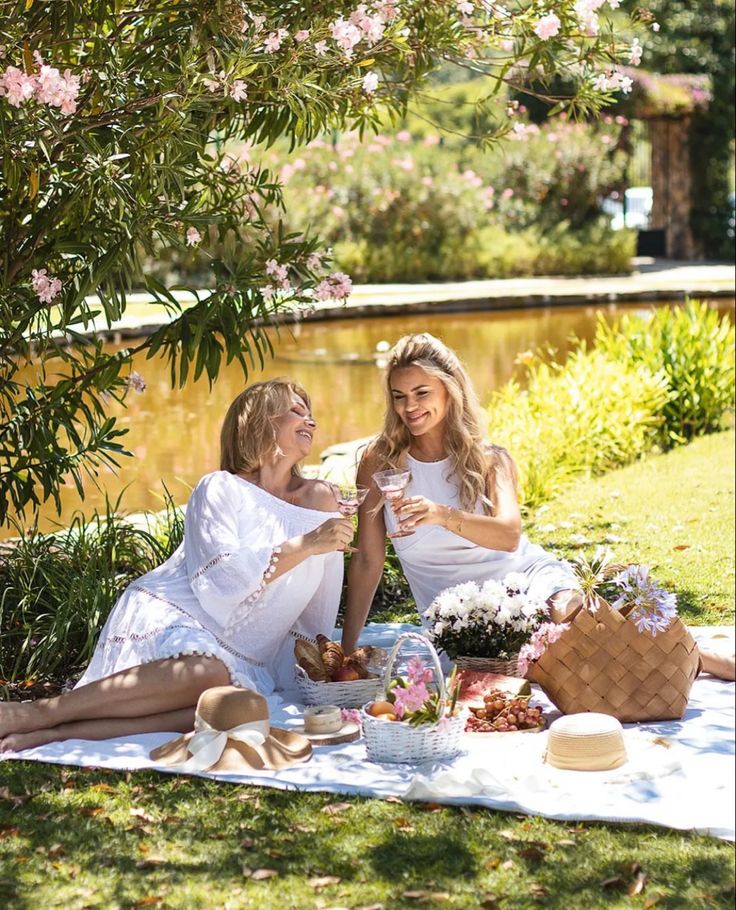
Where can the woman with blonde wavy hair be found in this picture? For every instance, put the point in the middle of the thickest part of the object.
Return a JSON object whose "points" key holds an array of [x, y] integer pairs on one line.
{"points": [[261, 564], [459, 519]]}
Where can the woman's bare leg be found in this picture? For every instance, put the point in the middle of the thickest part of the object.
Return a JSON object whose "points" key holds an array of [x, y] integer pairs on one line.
{"points": [[180, 721], [721, 665], [149, 689]]}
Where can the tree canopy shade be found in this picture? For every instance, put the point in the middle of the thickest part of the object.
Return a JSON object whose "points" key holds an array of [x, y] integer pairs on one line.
{"points": [[115, 123]]}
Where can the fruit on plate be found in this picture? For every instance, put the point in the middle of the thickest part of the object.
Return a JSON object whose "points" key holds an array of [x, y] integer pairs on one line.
{"points": [[474, 684], [325, 661], [502, 713]]}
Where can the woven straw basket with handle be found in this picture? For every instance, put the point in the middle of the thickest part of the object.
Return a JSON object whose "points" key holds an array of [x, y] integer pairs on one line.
{"points": [[604, 663]]}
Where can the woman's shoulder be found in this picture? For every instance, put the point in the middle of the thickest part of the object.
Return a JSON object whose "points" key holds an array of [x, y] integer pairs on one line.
{"points": [[317, 494], [220, 484], [495, 453]]}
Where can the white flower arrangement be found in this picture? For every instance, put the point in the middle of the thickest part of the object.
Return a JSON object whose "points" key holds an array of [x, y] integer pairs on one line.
{"points": [[493, 619]]}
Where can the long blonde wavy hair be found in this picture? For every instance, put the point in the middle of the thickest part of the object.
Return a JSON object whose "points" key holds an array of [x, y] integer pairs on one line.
{"points": [[248, 435], [473, 464]]}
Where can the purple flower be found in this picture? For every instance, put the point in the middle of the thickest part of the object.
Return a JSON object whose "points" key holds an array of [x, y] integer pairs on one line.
{"points": [[652, 608]]}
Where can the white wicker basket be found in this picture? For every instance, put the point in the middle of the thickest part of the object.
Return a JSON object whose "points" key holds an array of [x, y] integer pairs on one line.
{"points": [[343, 694], [395, 741]]}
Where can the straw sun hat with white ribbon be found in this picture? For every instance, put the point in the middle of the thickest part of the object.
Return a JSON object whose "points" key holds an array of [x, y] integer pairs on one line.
{"points": [[232, 734]]}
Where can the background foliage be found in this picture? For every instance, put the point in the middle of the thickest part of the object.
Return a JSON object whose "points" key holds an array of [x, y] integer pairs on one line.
{"points": [[115, 124]]}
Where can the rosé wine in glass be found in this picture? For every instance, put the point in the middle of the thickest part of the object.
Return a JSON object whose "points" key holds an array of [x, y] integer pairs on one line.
{"points": [[392, 484], [349, 498]]}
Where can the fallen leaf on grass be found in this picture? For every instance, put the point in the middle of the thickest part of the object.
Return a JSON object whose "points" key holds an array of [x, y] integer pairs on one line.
{"points": [[323, 881], [16, 799], [425, 897], [493, 863], [371, 907], [681, 546], [103, 788], [509, 864], [260, 875], [431, 807], [336, 808], [56, 850], [247, 843], [533, 853], [537, 891], [150, 901], [91, 811], [404, 824], [653, 900], [490, 902], [637, 886], [305, 829], [393, 799], [507, 835], [137, 812], [150, 862], [614, 882], [565, 843]]}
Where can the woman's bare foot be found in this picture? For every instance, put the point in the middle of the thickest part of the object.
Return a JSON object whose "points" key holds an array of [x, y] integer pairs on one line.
{"points": [[722, 666], [17, 742], [18, 717]]}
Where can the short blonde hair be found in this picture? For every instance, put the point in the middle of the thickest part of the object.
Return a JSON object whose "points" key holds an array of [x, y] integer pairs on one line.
{"points": [[248, 436]]}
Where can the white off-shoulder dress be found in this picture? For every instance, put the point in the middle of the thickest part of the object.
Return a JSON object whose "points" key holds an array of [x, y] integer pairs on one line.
{"points": [[213, 597], [434, 558]]}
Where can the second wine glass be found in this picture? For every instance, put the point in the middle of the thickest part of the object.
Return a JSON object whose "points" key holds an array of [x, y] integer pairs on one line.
{"points": [[349, 498], [392, 484]]}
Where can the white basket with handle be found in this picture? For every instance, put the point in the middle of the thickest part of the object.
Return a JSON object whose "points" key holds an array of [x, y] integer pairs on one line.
{"points": [[350, 694], [399, 742]]}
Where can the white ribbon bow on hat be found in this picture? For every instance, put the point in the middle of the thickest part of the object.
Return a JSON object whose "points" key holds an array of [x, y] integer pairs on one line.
{"points": [[207, 744]]}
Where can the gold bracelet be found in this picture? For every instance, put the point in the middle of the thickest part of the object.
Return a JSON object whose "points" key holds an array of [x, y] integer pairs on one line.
{"points": [[448, 516]]}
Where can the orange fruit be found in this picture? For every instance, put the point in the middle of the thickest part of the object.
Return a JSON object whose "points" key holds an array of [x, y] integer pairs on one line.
{"points": [[380, 707]]}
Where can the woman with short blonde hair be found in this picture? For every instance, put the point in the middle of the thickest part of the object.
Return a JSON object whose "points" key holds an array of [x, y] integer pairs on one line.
{"points": [[260, 565]]}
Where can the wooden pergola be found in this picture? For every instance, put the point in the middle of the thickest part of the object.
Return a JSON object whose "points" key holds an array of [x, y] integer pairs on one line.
{"points": [[668, 104]]}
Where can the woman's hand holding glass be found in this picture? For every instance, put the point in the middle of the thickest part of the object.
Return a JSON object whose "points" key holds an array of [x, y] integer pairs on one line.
{"points": [[418, 510], [392, 484], [349, 499], [333, 534]]}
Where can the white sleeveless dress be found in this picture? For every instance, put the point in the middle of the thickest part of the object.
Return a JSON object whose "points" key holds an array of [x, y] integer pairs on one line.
{"points": [[434, 558], [210, 596]]}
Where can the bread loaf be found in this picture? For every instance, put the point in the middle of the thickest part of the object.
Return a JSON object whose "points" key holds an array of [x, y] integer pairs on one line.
{"points": [[308, 657]]}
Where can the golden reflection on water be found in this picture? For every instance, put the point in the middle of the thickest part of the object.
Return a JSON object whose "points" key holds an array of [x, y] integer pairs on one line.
{"points": [[174, 434]]}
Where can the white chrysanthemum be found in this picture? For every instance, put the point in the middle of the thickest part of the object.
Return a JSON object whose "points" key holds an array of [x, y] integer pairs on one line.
{"points": [[517, 581]]}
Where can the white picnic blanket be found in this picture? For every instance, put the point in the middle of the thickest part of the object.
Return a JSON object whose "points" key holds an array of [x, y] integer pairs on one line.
{"points": [[692, 788]]}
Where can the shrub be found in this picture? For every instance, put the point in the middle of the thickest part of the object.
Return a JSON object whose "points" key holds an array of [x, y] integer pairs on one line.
{"points": [[586, 416], [58, 589], [694, 347]]}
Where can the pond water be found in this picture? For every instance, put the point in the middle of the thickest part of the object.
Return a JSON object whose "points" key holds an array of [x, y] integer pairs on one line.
{"points": [[174, 434]]}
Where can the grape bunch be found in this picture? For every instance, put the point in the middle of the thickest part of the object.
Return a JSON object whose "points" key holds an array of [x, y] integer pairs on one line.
{"points": [[502, 713]]}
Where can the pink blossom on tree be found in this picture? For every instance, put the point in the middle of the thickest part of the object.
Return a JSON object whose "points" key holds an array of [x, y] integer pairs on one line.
{"points": [[44, 286], [193, 236], [548, 26]]}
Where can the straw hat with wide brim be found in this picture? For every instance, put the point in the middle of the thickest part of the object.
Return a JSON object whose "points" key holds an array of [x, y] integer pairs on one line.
{"points": [[597, 742], [232, 734]]}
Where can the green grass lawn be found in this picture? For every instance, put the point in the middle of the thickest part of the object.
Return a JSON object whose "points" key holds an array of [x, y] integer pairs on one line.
{"points": [[71, 838], [673, 512]]}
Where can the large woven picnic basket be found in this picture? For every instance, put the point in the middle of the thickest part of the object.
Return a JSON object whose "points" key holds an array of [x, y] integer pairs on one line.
{"points": [[604, 663]]}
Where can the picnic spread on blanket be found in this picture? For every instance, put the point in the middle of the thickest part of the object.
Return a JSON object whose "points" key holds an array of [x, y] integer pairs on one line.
{"points": [[477, 738]]}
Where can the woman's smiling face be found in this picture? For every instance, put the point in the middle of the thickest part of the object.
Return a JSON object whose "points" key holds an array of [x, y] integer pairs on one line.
{"points": [[295, 429], [420, 400]]}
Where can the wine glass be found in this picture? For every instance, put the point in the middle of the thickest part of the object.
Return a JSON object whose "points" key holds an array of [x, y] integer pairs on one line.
{"points": [[349, 498], [392, 484]]}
